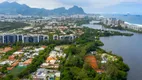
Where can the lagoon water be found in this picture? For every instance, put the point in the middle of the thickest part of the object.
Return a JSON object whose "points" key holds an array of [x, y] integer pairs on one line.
{"points": [[130, 48]]}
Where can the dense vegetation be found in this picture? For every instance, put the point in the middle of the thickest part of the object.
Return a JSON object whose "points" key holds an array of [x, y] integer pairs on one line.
{"points": [[85, 20], [37, 61], [5, 26], [121, 28], [104, 33], [75, 68], [14, 49]]}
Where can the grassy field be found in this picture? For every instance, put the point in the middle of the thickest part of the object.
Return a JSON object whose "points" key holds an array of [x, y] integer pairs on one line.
{"points": [[57, 78], [17, 70], [6, 26]]}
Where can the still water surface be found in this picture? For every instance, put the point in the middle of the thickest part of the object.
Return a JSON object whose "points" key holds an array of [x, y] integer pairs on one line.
{"points": [[130, 48]]}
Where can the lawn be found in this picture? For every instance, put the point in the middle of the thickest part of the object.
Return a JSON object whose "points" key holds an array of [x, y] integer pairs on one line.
{"points": [[15, 71], [57, 78]]}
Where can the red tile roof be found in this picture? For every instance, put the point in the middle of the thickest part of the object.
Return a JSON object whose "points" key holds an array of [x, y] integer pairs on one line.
{"points": [[27, 62], [12, 57], [15, 64], [10, 68], [6, 49]]}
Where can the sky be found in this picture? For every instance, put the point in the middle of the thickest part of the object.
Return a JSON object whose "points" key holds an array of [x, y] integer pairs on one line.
{"points": [[89, 6]]}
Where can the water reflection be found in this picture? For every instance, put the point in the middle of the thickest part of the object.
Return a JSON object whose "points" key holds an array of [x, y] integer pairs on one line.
{"points": [[130, 48]]}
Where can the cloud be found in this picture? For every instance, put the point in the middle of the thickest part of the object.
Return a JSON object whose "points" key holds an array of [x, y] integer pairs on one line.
{"points": [[2, 1], [95, 3], [87, 5], [48, 4]]}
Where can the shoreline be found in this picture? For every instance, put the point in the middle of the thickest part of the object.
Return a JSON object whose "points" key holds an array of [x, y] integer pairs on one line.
{"points": [[121, 28], [127, 22], [138, 25], [119, 24]]}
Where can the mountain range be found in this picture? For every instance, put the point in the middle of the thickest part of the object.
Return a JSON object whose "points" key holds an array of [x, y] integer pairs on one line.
{"points": [[15, 8]]}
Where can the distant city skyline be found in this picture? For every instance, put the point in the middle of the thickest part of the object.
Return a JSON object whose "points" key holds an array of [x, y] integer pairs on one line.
{"points": [[89, 6]]}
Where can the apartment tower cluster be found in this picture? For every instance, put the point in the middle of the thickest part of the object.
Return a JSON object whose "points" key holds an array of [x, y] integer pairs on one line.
{"points": [[32, 38]]}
